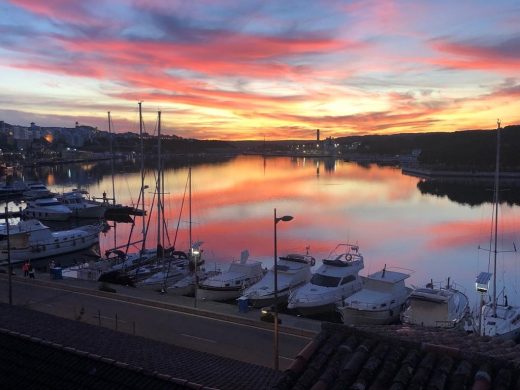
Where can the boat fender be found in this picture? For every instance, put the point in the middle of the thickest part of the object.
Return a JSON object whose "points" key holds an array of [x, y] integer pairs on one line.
{"points": [[349, 257]]}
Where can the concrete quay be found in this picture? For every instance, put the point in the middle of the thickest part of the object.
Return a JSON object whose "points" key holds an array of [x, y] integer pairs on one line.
{"points": [[223, 311], [212, 327]]}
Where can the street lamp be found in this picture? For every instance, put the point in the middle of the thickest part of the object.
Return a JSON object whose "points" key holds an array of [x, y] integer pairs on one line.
{"points": [[285, 218]]}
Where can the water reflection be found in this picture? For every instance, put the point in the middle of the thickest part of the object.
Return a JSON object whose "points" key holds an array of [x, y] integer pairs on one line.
{"points": [[379, 208], [472, 193]]}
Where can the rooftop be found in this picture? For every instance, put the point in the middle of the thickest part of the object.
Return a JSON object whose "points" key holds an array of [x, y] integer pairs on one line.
{"points": [[402, 357], [36, 346]]}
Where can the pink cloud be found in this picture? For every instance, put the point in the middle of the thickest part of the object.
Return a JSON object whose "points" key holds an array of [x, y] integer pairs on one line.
{"points": [[502, 57]]}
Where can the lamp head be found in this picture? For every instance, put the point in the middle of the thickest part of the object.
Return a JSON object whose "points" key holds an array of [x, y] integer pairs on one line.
{"points": [[285, 218]]}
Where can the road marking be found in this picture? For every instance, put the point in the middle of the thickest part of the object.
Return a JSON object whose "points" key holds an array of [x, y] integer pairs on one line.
{"points": [[198, 338]]}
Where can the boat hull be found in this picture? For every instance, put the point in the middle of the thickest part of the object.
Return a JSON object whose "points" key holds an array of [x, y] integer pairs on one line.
{"points": [[188, 290], [504, 324], [89, 212], [218, 294], [352, 316], [268, 300], [315, 310], [41, 251], [160, 284]]}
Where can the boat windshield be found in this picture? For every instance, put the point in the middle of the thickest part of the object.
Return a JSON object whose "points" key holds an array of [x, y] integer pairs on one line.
{"points": [[325, 281]]}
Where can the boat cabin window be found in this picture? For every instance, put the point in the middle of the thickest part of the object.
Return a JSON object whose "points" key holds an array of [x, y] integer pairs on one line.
{"points": [[348, 279], [325, 281], [50, 203]]}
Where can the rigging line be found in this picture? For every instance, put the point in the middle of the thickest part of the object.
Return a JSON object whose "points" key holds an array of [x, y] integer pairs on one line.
{"points": [[177, 229], [147, 227], [491, 234]]}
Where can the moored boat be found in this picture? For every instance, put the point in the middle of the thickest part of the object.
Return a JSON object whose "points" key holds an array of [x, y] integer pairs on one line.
{"points": [[30, 240], [437, 306], [35, 191], [229, 284], [496, 319], [80, 206], [47, 209], [379, 302], [336, 279], [293, 270]]}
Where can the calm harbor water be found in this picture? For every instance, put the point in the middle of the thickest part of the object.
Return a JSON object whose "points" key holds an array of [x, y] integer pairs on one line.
{"points": [[332, 202]]}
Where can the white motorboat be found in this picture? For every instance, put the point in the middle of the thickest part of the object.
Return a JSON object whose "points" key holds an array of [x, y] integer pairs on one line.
{"points": [[336, 279], [293, 270], [35, 191], [495, 319], [230, 284], [82, 207], [379, 302], [30, 240], [436, 306], [47, 209]]}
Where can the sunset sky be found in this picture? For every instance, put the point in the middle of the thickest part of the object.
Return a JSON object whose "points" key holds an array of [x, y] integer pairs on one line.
{"points": [[229, 69]]}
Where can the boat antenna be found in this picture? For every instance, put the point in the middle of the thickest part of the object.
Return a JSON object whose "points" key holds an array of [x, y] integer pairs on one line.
{"points": [[384, 272]]}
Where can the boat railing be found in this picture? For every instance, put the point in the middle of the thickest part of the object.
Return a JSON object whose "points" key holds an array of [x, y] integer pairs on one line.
{"points": [[443, 285]]}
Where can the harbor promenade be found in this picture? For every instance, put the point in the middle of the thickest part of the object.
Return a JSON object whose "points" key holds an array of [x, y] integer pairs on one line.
{"points": [[206, 326]]}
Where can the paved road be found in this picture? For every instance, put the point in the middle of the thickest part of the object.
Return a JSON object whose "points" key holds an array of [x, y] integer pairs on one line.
{"points": [[246, 343]]}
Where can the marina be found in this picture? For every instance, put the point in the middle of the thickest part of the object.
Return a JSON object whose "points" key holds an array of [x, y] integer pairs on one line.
{"points": [[213, 218]]}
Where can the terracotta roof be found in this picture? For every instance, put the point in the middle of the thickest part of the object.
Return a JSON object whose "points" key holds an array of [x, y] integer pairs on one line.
{"points": [[95, 345], [401, 357]]}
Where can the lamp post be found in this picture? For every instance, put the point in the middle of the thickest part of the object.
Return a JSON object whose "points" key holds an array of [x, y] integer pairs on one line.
{"points": [[285, 218]]}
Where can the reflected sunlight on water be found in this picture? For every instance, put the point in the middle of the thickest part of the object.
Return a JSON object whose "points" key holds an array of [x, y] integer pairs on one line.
{"points": [[332, 202]]}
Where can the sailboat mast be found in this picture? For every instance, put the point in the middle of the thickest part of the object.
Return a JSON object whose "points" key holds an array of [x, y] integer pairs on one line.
{"points": [[142, 172], [112, 172], [111, 158], [159, 248], [497, 178], [191, 249]]}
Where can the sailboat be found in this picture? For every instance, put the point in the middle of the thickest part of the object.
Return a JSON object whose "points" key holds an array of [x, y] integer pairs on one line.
{"points": [[496, 319]]}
